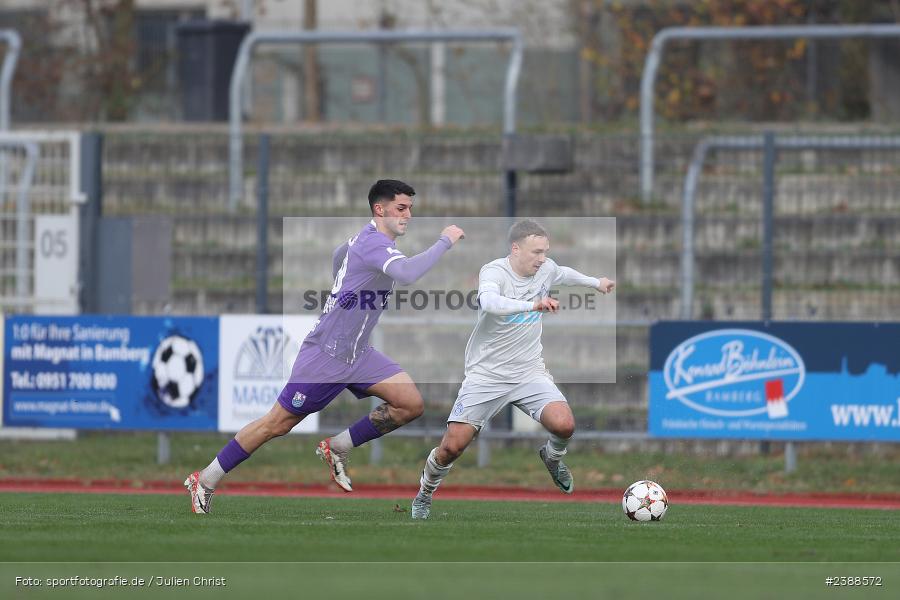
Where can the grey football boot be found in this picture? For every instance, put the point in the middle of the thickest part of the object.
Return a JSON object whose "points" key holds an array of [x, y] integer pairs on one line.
{"points": [[559, 472], [421, 506]]}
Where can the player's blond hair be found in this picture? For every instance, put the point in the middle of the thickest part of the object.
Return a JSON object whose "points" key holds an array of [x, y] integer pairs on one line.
{"points": [[523, 229]]}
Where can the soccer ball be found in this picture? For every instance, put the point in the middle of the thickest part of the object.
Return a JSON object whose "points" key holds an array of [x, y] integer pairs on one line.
{"points": [[177, 371], [645, 501]]}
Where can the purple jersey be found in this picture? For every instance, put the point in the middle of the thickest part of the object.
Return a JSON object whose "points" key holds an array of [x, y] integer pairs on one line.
{"points": [[367, 267]]}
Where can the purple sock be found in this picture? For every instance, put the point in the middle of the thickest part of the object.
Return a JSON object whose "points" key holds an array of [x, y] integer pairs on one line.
{"points": [[362, 431], [231, 455]]}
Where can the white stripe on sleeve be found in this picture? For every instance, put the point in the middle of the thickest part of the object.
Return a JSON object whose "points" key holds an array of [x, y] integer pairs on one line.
{"points": [[390, 260]]}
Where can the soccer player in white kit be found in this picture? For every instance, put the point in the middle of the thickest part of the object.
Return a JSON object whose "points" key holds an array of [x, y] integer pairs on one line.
{"points": [[504, 362]]}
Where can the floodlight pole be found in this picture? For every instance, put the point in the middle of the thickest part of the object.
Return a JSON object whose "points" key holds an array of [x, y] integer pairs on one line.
{"points": [[772, 32], [242, 63]]}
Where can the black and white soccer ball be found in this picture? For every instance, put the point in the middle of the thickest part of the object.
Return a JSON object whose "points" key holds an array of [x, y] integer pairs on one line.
{"points": [[645, 501], [177, 371]]}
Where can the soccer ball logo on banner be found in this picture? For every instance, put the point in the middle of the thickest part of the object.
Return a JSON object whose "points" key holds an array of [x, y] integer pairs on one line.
{"points": [[177, 371]]}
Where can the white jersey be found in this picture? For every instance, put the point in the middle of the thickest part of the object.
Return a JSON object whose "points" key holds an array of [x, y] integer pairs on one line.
{"points": [[508, 348]]}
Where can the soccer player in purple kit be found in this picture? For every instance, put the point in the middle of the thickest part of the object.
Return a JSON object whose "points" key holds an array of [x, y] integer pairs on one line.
{"points": [[336, 354]]}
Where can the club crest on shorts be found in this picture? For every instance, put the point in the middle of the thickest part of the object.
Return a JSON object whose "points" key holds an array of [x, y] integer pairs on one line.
{"points": [[458, 408], [298, 400]]}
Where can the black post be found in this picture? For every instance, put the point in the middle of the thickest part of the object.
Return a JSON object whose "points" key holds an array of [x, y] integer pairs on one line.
{"points": [[91, 171], [510, 189], [262, 226], [382, 84], [769, 152]]}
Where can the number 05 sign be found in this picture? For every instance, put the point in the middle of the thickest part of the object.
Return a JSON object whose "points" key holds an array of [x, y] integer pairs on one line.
{"points": [[56, 264]]}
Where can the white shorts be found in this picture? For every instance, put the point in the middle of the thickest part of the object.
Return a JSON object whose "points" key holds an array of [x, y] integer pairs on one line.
{"points": [[479, 401]]}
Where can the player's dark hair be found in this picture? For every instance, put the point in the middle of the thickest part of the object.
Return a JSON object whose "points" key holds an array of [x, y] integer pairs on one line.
{"points": [[523, 229], [385, 190]]}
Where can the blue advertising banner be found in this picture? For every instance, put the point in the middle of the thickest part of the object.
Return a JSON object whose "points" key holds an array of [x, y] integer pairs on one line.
{"points": [[775, 381], [119, 372]]}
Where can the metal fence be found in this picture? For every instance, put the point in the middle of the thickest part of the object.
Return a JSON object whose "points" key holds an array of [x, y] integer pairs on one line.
{"points": [[833, 205]]}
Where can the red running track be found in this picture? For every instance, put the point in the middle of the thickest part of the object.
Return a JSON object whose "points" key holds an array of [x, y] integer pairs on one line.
{"points": [[460, 492]]}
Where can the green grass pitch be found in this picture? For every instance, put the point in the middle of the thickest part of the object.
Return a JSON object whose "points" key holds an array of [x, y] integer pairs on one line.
{"points": [[531, 549], [243, 528]]}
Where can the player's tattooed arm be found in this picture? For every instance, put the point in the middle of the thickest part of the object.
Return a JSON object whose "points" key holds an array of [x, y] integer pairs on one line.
{"points": [[381, 419]]}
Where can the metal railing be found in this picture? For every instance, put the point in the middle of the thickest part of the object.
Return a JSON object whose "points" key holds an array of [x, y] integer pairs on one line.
{"points": [[49, 182], [757, 144], [773, 32], [217, 261], [836, 205], [23, 243], [354, 37], [13, 46]]}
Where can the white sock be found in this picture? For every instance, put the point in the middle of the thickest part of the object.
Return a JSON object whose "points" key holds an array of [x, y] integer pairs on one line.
{"points": [[556, 447], [212, 475], [342, 442], [433, 474]]}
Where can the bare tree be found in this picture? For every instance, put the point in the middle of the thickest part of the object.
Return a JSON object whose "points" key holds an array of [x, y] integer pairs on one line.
{"points": [[311, 94], [108, 62]]}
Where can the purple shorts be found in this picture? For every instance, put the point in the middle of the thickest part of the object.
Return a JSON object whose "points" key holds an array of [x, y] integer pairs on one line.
{"points": [[317, 378]]}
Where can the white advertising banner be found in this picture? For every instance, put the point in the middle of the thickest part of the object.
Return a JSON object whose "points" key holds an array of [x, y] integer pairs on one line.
{"points": [[256, 353]]}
